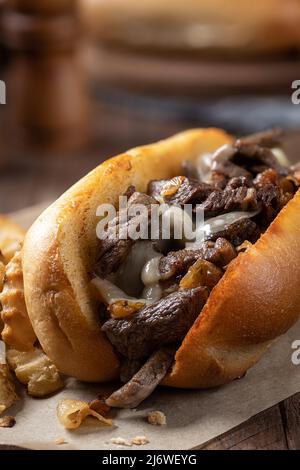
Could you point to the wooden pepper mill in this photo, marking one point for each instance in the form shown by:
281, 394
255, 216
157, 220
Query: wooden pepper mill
47, 95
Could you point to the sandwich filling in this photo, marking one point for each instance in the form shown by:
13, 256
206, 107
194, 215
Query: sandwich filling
152, 290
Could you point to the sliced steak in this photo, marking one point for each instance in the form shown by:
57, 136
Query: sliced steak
239, 182
189, 191
249, 156
161, 323
176, 263
222, 162
256, 159
180, 190
272, 199
236, 196
218, 180
144, 381
116, 246
129, 368
239, 231
269, 138
269, 195
155, 187
269, 176
221, 253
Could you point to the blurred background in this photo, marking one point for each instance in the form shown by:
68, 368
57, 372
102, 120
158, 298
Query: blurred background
88, 79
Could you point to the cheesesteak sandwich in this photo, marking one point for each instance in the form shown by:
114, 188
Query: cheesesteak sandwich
185, 312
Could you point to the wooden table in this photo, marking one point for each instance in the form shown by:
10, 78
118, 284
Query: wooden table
32, 175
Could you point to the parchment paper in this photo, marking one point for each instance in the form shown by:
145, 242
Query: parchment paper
193, 417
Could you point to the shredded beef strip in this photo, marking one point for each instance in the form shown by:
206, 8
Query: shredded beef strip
248, 156
129, 367
114, 249
176, 263
164, 322
270, 138
219, 180
180, 190
257, 158
144, 381
238, 232
222, 162
232, 198
155, 187
269, 176
268, 192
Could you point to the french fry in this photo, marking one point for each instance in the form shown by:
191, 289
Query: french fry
8, 395
34, 369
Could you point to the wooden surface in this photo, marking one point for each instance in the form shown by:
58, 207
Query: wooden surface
277, 428
38, 163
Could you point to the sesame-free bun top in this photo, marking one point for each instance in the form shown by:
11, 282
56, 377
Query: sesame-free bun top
256, 301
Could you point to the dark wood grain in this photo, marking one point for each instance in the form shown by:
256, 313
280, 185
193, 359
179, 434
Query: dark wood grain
262, 432
290, 412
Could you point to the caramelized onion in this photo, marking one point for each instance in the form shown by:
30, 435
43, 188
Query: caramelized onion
202, 273
108, 291
71, 413
119, 304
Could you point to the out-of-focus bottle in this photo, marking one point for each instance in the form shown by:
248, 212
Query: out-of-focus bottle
47, 96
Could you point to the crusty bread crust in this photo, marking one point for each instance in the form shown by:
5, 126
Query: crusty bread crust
256, 301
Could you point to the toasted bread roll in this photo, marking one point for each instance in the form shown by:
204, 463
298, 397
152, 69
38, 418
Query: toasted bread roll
256, 301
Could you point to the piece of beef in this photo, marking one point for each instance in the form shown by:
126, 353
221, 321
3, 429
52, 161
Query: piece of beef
238, 232
155, 187
220, 253
270, 138
164, 322
129, 368
222, 163
256, 159
180, 190
236, 196
270, 195
269, 176
239, 182
273, 192
144, 381
272, 200
189, 191
248, 156
218, 180
176, 263
116, 246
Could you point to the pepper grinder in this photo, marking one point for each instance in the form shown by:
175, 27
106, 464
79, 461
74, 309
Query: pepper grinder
47, 93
